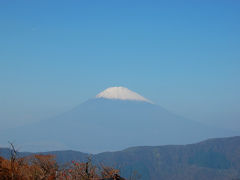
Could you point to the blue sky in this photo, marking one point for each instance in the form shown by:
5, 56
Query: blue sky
183, 55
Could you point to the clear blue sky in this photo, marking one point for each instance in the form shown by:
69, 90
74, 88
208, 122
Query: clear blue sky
183, 55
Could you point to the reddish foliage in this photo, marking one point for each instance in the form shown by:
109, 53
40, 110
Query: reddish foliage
44, 167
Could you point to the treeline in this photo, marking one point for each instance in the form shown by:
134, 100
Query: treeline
45, 167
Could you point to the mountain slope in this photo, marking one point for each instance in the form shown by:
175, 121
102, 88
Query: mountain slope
102, 124
109, 123
214, 159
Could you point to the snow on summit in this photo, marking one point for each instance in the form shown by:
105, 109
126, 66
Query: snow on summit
121, 93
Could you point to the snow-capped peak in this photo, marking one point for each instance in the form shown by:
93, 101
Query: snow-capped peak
121, 93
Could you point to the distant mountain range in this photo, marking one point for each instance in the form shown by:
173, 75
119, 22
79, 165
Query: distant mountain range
213, 159
115, 119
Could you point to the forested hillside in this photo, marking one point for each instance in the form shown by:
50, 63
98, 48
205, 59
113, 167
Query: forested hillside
214, 159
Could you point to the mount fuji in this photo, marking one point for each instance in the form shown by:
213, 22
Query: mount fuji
115, 119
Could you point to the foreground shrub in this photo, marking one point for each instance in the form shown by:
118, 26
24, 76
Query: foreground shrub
44, 167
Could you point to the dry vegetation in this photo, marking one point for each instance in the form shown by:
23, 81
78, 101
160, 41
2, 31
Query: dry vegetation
44, 167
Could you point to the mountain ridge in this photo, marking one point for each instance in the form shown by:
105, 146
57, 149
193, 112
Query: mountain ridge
211, 159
